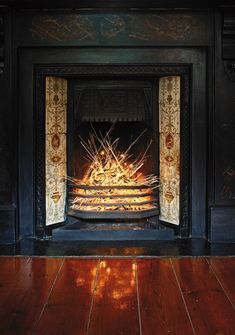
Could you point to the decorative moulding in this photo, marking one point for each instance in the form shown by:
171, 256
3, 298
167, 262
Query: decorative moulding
1, 44
229, 69
228, 42
228, 34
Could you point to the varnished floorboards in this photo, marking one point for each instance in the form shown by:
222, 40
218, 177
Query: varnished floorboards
117, 296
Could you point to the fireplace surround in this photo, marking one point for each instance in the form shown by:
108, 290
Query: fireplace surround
134, 73
115, 71
133, 45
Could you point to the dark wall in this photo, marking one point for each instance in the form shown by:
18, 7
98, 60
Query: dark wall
222, 155
7, 136
29, 34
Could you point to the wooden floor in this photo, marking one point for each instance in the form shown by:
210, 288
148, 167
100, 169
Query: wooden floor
117, 296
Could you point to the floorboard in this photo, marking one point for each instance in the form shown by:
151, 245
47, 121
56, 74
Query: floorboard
161, 302
68, 308
117, 296
115, 306
224, 269
27, 294
209, 308
9, 268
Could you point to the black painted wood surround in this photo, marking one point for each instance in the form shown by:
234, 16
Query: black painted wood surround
95, 33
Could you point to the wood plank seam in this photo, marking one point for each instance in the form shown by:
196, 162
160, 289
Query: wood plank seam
219, 281
182, 296
93, 295
49, 295
138, 297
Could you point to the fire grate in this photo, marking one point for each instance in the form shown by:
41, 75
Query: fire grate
111, 202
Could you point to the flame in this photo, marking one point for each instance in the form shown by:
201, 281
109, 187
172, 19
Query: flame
113, 169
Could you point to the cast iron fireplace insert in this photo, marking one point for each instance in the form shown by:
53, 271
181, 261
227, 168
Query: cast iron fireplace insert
99, 98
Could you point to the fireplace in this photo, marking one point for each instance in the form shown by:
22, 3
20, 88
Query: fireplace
124, 44
114, 155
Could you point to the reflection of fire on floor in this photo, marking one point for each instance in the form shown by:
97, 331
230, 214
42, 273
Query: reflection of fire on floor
120, 291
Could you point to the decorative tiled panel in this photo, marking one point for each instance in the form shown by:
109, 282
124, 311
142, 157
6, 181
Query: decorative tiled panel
81, 29
55, 149
169, 128
56, 105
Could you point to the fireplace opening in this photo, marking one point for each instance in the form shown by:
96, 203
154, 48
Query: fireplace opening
113, 156
116, 179
112, 163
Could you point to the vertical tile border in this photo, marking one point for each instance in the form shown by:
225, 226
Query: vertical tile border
55, 149
169, 131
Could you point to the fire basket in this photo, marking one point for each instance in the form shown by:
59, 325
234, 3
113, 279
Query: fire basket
113, 186
111, 202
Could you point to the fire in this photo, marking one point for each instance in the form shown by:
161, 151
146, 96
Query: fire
112, 181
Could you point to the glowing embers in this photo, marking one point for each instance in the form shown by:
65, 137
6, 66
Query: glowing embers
94, 201
112, 185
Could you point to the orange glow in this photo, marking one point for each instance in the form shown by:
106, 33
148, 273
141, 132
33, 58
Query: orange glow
103, 264
80, 281
115, 283
114, 175
133, 267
